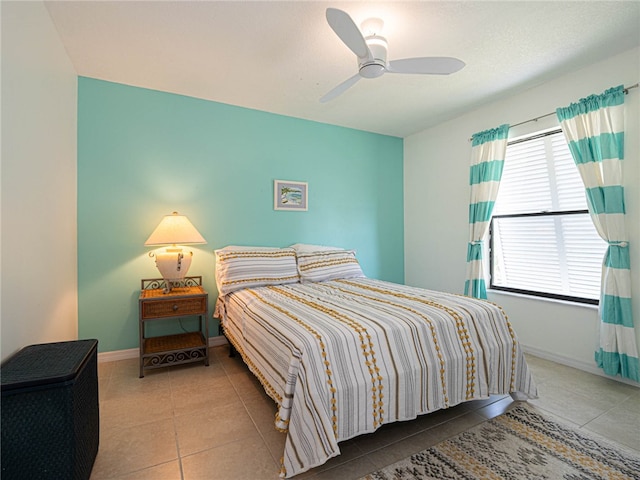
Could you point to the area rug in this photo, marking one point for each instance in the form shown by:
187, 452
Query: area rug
521, 444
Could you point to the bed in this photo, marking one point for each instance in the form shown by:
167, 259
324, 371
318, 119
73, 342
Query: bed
342, 354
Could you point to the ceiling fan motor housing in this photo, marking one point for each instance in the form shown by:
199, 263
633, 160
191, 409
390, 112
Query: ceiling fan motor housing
376, 67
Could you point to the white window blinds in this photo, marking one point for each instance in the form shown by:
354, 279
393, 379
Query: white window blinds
542, 239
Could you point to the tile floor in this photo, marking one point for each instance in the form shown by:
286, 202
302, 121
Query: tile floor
207, 423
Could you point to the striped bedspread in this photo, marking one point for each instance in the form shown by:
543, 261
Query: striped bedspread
343, 357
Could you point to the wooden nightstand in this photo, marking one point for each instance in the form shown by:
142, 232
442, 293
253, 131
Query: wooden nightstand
184, 300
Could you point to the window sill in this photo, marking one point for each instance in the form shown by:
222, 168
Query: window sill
542, 299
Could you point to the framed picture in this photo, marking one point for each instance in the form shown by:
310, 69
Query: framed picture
289, 195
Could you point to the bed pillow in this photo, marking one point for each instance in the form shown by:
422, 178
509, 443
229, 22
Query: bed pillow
306, 248
246, 267
323, 265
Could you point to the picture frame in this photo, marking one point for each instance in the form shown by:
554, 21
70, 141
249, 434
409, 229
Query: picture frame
290, 195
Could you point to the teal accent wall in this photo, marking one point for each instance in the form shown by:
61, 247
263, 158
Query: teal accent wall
143, 154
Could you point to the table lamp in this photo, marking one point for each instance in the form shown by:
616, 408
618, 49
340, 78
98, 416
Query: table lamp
174, 230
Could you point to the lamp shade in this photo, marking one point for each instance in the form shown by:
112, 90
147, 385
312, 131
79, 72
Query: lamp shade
174, 229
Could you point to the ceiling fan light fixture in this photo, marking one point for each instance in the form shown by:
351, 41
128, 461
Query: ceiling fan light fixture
372, 26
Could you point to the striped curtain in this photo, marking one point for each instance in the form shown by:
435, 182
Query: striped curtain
594, 129
488, 150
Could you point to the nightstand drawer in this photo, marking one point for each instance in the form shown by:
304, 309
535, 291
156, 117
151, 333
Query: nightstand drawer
173, 308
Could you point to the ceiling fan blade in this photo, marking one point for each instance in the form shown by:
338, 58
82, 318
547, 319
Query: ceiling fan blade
346, 29
340, 89
426, 65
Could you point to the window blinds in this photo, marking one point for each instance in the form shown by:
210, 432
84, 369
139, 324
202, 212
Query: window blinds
542, 239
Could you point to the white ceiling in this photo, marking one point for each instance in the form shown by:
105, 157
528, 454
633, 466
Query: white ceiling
281, 57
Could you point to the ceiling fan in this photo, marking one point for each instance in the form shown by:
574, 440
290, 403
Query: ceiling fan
372, 53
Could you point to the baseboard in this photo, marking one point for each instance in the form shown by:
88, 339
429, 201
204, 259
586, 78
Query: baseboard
572, 362
133, 352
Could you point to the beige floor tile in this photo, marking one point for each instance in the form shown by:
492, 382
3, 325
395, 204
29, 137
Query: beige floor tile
103, 385
584, 383
347, 471
425, 439
349, 452
621, 423
213, 360
543, 369
121, 386
221, 352
126, 450
575, 407
248, 459
231, 364
135, 409
205, 429
247, 385
384, 436
166, 471
275, 441
221, 423
104, 370
402, 449
195, 374
262, 412
394, 432
579, 380
131, 368
193, 397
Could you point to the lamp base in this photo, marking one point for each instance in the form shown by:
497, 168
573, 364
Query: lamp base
168, 285
173, 265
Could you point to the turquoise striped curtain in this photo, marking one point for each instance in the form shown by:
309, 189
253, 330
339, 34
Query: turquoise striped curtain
488, 150
594, 129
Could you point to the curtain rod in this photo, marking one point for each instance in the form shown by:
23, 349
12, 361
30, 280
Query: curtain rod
626, 90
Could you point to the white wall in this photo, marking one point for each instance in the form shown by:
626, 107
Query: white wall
436, 179
39, 255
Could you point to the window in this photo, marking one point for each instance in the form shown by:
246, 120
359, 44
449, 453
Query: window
542, 239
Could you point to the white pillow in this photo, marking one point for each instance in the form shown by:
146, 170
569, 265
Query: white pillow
306, 248
323, 265
247, 267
